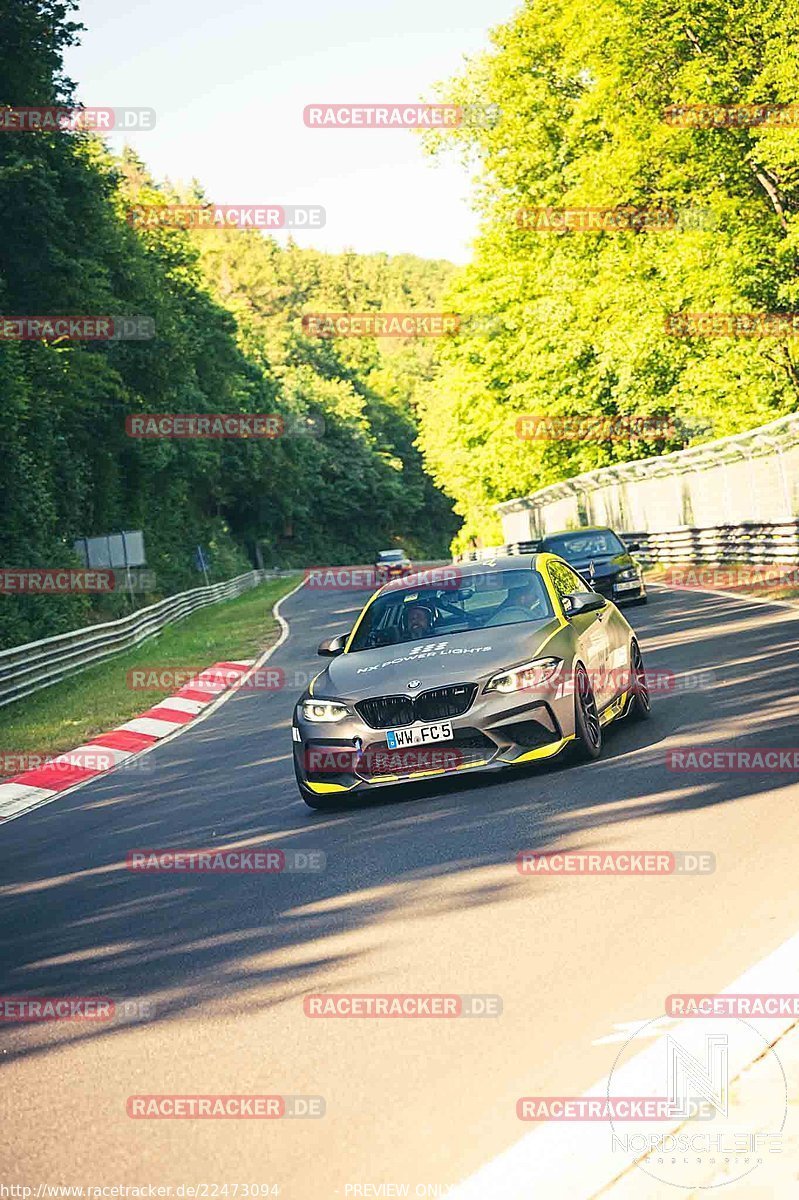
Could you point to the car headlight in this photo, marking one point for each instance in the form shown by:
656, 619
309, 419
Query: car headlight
323, 710
628, 573
526, 677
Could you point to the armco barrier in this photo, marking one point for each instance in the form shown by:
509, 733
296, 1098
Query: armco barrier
724, 484
776, 542
750, 543
26, 669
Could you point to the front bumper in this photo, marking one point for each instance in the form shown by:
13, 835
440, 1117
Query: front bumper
495, 732
385, 574
620, 591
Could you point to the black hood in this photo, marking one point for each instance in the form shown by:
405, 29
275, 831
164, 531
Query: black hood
605, 565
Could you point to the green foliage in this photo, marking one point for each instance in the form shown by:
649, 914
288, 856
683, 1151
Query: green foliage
581, 315
226, 311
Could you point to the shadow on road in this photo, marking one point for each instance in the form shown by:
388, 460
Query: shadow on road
76, 922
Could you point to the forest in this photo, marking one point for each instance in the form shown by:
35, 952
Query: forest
586, 324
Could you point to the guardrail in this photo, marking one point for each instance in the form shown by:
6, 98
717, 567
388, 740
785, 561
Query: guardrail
770, 542
727, 483
36, 665
767, 543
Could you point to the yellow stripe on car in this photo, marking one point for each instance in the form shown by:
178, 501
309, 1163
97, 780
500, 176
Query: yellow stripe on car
613, 710
328, 787
313, 681
541, 562
541, 752
361, 616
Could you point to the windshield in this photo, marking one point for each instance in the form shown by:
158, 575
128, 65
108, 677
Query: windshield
390, 556
484, 601
574, 547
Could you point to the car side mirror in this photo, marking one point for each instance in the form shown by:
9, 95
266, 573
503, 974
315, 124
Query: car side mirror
633, 545
583, 602
332, 647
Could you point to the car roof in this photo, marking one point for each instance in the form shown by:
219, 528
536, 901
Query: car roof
582, 529
468, 570
503, 562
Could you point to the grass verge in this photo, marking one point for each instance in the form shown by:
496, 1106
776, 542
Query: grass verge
65, 715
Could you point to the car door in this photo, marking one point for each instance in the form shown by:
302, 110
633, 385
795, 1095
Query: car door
591, 629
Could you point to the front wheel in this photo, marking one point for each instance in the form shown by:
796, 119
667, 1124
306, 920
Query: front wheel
588, 740
640, 704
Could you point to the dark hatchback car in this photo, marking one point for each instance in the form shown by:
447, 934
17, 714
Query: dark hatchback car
603, 560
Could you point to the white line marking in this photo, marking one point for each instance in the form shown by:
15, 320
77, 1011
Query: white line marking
556, 1160
624, 1030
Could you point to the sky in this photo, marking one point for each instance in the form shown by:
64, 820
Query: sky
229, 80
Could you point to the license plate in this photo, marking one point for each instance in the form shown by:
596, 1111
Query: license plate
627, 587
419, 735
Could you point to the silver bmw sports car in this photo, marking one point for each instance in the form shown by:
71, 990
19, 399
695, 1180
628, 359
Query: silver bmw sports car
472, 667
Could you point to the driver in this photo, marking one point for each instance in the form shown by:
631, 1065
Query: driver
419, 619
521, 604
523, 596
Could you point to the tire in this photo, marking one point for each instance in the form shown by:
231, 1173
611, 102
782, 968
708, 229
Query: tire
588, 740
640, 704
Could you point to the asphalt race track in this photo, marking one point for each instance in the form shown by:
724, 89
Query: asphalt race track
420, 894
